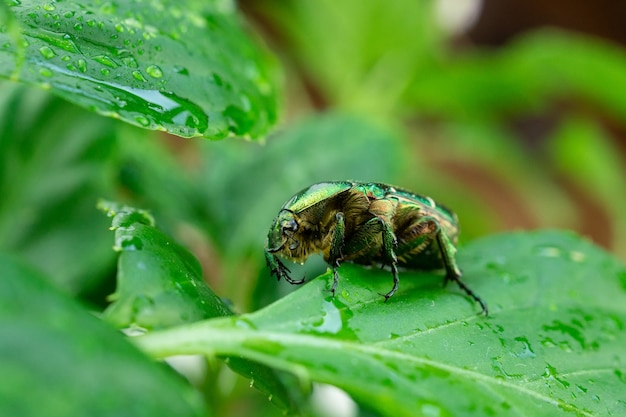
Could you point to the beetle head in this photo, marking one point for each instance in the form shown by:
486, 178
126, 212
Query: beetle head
283, 231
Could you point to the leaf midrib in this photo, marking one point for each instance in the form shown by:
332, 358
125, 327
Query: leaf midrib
207, 339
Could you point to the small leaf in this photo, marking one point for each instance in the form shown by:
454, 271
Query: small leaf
159, 282
186, 67
160, 285
552, 346
59, 360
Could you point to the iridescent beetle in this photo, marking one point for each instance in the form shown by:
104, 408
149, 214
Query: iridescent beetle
365, 223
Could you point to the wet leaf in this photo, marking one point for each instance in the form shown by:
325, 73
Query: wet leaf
57, 358
184, 67
160, 285
553, 344
159, 282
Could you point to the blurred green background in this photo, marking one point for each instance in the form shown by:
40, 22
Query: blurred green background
512, 113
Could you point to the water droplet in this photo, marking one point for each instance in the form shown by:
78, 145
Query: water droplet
180, 70
573, 330
46, 72
577, 256
47, 52
143, 121
82, 65
49, 7
78, 26
105, 71
154, 71
106, 60
138, 76
69, 14
527, 350
133, 243
548, 251
119, 27
550, 373
498, 368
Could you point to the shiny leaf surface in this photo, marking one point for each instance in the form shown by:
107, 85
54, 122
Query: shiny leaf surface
159, 282
184, 67
553, 344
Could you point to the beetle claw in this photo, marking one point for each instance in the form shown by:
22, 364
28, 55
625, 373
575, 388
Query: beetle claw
293, 281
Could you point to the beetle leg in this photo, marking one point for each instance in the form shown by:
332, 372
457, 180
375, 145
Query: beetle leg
366, 237
453, 273
335, 255
390, 242
278, 268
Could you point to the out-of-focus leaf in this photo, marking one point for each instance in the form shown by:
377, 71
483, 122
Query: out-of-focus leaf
59, 360
55, 162
361, 56
552, 346
527, 75
186, 67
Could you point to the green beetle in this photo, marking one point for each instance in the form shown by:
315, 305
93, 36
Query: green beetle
365, 223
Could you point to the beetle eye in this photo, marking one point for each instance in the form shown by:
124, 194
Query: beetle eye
290, 227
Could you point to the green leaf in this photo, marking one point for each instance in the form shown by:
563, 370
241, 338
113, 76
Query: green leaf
184, 67
160, 285
159, 282
553, 344
58, 359
512, 79
55, 162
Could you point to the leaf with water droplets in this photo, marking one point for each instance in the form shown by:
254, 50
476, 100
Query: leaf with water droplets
160, 285
553, 344
159, 282
184, 67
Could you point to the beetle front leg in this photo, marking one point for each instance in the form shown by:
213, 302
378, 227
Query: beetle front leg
278, 268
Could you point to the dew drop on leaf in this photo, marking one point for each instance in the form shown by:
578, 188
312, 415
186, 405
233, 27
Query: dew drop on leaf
47, 52
82, 65
46, 72
154, 71
143, 121
138, 76
106, 60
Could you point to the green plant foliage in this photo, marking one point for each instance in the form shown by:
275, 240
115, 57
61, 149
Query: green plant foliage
530, 73
184, 67
160, 285
159, 282
55, 163
58, 359
553, 344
